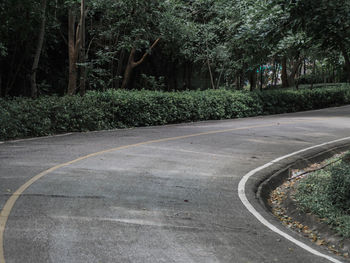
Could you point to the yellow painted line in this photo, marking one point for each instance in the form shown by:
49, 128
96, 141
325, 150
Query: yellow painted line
5, 212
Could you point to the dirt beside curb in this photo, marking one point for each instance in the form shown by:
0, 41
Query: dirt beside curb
284, 207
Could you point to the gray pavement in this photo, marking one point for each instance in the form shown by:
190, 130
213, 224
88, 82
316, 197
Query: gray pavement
169, 201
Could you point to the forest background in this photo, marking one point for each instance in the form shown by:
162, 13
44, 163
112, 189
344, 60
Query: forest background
56, 47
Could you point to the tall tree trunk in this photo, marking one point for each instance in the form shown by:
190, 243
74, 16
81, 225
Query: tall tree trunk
189, 70
252, 79
209, 67
284, 76
83, 49
219, 79
72, 81
210, 74
274, 72
294, 71
277, 74
0, 85
313, 74
34, 88
347, 62
132, 64
119, 68
74, 46
261, 77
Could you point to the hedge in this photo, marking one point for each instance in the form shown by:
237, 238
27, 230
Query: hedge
25, 117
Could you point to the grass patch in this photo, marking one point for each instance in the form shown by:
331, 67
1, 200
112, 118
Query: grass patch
326, 193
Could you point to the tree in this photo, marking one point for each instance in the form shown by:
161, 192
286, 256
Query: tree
76, 37
325, 22
34, 88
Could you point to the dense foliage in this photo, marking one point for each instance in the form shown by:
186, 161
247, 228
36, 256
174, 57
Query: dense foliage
169, 45
326, 193
23, 117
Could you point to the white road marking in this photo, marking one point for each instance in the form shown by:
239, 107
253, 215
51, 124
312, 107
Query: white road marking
248, 205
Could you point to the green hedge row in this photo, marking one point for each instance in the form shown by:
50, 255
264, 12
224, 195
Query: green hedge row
24, 117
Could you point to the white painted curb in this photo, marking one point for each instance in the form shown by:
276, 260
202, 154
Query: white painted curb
251, 209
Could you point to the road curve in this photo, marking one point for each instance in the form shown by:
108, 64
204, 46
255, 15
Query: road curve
158, 194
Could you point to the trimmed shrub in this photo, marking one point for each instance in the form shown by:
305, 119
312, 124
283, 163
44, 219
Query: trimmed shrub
24, 117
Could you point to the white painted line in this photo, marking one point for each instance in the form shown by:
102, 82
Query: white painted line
248, 205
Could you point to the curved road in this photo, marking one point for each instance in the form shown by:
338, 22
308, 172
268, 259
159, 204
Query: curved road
158, 194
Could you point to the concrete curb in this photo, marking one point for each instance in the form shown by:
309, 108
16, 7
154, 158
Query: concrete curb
272, 181
262, 182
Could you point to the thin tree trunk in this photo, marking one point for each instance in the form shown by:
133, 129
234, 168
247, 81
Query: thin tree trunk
83, 49
252, 79
274, 76
189, 76
261, 78
34, 88
0, 85
74, 46
284, 76
119, 68
347, 62
210, 74
209, 67
277, 74
72, 82
132, 64
313, 74
129, 68
219, 79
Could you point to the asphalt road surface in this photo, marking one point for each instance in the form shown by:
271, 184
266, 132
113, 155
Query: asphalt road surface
157, 194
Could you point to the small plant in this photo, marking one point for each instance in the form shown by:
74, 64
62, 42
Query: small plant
326, 193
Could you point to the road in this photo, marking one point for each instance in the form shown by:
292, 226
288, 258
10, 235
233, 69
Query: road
156, 194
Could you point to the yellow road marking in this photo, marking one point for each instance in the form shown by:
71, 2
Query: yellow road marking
6, 210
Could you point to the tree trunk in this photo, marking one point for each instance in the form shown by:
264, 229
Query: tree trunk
277, 74
129, 68
189, 75
72, 81
261, 78
209, 67
313, 74
252, 79
119, 68
74, 46
0, 85
210, 74
132, 64
274, 72
284, 76
347, 62
219, 79
295, 69
34, 88
83, 49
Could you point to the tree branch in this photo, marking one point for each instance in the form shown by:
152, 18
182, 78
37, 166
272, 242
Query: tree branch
135, 64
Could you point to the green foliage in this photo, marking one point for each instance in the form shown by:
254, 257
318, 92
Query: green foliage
23, 117
340, 186
326, 193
